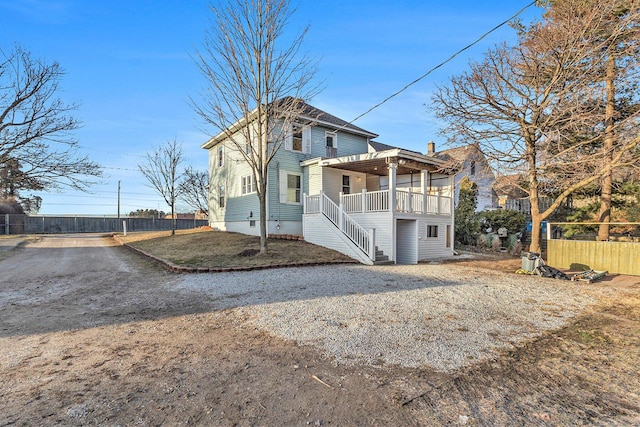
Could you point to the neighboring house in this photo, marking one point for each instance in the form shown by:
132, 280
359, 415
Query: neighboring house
512, 196
337, 188
470, 161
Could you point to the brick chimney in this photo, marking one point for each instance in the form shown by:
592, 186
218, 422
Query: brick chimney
431, 148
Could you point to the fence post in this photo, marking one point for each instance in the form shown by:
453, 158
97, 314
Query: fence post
6, 224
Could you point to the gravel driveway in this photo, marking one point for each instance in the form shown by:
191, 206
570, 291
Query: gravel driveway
440, 315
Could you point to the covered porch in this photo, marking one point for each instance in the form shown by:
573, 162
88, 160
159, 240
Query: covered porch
364, 196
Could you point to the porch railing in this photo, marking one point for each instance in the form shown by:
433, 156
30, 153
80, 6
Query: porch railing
406, 202
364, 239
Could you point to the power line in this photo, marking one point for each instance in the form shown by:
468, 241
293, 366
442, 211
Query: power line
506, 21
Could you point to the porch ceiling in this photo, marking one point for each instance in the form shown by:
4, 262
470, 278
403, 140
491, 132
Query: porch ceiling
380, 167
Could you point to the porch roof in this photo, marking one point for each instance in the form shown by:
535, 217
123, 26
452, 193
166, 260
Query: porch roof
376, 163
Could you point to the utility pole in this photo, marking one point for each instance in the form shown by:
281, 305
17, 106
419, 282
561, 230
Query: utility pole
118, 199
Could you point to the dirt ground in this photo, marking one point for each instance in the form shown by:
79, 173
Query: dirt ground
93, 335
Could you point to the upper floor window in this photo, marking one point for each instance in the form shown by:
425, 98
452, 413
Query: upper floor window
299, 138
220, 156
330, 140
472, 168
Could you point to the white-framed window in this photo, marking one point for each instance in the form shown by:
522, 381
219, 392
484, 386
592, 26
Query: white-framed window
331, 139
247, 148
221, 196
432, 231
247, 184
299, 138
290, 187
346, 184
220, 156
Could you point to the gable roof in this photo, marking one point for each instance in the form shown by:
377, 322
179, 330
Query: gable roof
306, 112
319, 116
460, 154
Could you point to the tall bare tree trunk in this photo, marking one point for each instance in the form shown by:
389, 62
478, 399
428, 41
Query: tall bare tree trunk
609, 138
536, 216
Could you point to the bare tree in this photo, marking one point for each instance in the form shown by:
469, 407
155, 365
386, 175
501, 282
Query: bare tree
194, 189
161, 170
37, 150
256, 78
529, 106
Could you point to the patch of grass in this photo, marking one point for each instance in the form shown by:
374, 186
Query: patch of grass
218, 249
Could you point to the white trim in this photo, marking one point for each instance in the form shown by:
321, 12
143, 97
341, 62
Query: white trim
284, 187
247, 182
334, 135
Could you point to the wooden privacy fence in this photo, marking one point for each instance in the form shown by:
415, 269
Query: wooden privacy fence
614, 257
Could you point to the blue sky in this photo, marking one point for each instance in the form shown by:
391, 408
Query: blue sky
129, 65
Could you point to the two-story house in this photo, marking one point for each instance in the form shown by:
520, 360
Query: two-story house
332, 184
469, 160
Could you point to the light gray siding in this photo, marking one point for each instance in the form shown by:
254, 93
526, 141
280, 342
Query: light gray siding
434, 247
383, 224
320, 231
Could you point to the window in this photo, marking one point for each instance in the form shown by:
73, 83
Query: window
331, 149
220, 157
330, 137
247, 149
293, 188
290, 187
472, 168
432, 231
297, 138
248, 184
346, 185
448, 243
221, 196
252, 223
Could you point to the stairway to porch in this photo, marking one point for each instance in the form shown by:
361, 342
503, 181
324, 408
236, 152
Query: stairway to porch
327, 224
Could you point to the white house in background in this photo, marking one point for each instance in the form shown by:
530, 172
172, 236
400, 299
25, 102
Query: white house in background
337, 188
469, 160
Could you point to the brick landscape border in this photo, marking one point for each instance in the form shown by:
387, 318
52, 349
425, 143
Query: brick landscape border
179, 269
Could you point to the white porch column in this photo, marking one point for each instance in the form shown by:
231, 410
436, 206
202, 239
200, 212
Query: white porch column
392, 186
392, 206
423, 184
340, 210
304, 203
